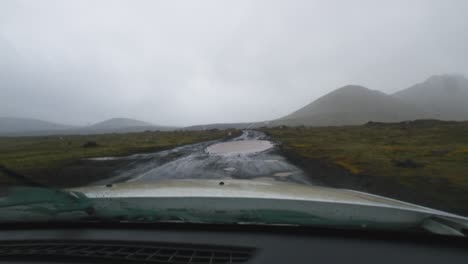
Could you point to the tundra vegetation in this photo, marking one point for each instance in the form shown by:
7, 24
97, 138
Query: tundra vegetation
424, 161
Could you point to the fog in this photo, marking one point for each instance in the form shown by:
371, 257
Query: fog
196, 62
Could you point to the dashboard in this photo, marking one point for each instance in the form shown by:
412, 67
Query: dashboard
175, 243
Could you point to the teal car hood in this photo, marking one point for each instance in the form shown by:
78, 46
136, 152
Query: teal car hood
224, 202
269, 202
245, 189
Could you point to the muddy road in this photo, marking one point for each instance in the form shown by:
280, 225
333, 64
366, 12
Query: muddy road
249, 156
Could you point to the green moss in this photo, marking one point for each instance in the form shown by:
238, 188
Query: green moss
372, 149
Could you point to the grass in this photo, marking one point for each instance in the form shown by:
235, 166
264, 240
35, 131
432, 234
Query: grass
374, 150
42, 157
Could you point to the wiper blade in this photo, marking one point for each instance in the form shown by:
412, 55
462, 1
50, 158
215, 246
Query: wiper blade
37, 194
28, 181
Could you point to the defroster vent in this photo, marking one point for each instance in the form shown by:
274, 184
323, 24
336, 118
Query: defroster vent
137, 253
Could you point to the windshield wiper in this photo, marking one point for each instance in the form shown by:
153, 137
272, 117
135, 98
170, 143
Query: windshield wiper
37, 195
21, 177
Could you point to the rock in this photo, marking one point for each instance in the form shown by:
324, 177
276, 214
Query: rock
90, 144
407, 163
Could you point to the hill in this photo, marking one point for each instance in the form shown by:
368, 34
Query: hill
444, 96
14, 125
32, 127
118, 125
352, 105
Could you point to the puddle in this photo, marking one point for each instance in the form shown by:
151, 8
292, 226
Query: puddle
239, 147
283, 174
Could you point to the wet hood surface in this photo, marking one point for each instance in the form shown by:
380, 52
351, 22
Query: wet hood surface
225, 202
243, 189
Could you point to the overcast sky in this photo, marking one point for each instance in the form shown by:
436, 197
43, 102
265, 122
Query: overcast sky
192, 62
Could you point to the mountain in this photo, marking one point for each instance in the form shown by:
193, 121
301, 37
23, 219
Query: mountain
13, 125
444, 96
119, 125
32, 127
352, 105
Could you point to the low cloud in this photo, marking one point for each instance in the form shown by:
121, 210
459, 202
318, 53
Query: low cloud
192, 62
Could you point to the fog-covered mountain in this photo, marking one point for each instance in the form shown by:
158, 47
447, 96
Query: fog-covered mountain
120, 125
33, 127
352, 105
444, 96
12, 125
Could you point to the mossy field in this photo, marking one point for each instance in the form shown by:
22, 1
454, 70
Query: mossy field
43, 158
424, 161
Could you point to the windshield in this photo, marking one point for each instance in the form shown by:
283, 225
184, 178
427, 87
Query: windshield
345, 114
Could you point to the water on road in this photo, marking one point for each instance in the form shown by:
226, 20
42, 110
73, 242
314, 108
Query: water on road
239, 147
250, 156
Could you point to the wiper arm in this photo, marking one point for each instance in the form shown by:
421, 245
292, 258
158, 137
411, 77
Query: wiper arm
37, 193
20, 177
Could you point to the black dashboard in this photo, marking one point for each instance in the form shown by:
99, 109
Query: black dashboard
177, 243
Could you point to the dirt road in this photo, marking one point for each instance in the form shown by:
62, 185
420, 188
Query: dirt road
250, 156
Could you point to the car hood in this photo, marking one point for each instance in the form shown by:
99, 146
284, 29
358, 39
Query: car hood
255, 189
225, 202
271, 202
